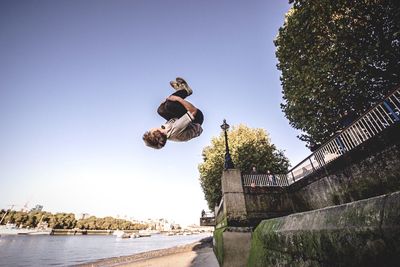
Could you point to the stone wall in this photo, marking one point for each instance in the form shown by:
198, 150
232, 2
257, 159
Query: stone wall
266, 202
361, 233
232, 191
372, 169
321, 236
232, 246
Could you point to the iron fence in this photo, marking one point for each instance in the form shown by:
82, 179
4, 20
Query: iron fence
265, 180
381, 116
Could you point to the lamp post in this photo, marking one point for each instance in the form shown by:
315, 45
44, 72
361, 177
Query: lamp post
228, 164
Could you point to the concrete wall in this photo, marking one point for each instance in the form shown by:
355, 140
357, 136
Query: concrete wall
371, 169
233, 196
266, 202
231, 240
232, 246
319, 237
362, 233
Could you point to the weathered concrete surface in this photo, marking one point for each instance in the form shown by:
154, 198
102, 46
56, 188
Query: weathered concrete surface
236, 247
361, 233
355, 234
372, 169
266, 202
218, 244
234, 202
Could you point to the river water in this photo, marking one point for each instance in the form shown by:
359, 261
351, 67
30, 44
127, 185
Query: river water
72, 250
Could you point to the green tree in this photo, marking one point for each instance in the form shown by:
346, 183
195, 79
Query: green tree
63, 221
248, 147
107, 223
21, 218
2, 214
336, 56
67, 221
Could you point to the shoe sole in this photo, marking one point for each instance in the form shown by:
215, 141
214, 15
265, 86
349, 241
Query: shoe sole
175, 85
180, 80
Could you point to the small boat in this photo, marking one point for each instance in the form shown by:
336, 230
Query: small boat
12, 229
134, 235
144, 233
125, 235
120, 234
41, 229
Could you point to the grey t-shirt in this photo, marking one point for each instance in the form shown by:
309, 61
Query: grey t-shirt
182, 129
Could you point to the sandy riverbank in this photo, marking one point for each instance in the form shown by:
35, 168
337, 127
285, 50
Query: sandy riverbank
199, 254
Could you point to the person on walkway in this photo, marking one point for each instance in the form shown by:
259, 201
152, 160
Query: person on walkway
253, 170
184, 120
271, 177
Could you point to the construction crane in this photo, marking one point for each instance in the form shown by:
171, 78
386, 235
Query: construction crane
5, 214
25, 207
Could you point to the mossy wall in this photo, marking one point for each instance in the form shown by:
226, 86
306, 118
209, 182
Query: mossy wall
362, 233
267, 202
353, 234
219, 244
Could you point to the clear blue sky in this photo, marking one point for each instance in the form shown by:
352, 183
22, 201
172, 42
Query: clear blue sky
80, 82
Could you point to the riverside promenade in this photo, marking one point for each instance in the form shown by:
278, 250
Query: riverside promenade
198, 254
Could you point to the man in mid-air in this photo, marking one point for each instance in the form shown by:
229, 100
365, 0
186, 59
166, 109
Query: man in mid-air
184, 120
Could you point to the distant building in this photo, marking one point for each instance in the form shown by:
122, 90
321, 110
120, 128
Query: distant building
175, 226
83, 216
37, 208
160, 224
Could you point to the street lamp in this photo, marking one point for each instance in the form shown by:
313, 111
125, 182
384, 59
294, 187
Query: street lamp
228, 164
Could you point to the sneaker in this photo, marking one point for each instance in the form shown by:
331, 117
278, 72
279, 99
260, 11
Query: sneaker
175, 85
183, 85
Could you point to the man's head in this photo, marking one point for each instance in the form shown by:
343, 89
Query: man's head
155, 138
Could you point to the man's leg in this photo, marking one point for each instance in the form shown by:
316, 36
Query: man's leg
173, 109
181, 93
199, 117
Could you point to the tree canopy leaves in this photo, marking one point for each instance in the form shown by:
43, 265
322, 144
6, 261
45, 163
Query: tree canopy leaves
248, 147
336, 56
67, 221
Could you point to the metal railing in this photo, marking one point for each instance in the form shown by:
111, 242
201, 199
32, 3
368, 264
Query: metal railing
265, 180
219, 208
375, 120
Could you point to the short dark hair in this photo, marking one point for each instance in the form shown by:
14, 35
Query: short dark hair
155, 139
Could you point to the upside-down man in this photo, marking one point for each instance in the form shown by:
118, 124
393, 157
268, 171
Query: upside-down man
184, 120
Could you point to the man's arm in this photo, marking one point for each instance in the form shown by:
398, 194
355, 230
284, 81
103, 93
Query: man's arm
187, 105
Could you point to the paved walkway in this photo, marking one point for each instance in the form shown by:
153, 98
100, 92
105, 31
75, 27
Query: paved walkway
200, 258
199, 254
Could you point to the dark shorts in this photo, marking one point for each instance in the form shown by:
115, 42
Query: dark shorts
199, 118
